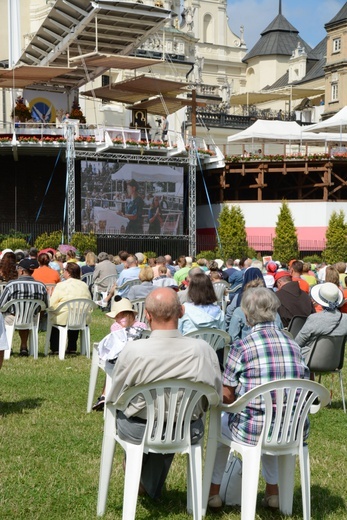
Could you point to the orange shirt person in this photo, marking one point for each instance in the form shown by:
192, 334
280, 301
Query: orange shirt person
44, 273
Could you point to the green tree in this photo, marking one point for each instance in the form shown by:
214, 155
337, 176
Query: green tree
336, 239
84, 242
232, 232
286, 241
44, 240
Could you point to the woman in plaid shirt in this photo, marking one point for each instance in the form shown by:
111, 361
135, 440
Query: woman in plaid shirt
266, 354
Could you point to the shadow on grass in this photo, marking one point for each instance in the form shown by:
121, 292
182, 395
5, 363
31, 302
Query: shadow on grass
12, 407
323, 504
174, 503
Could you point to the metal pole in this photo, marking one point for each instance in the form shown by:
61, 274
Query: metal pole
192, 198
70, 173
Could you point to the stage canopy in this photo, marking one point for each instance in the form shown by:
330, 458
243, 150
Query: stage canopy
145, 92
254, 98
23, 76
75, 31
137, 89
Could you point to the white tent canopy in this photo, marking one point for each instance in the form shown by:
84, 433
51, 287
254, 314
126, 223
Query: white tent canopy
263, 131
148, 173
336, 123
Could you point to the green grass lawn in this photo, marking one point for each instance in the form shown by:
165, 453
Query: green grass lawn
50, 448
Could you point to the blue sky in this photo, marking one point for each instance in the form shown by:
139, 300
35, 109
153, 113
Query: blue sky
307, 16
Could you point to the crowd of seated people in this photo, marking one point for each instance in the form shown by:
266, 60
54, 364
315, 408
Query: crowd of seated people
262, 299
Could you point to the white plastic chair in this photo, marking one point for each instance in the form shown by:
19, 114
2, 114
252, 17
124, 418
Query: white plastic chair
327, 355
106, 367
139, 307
107, 281
221, 290
217, 338
127, 285
287, 403
88, 279
26, 316
78, 310
94, 368
170, 405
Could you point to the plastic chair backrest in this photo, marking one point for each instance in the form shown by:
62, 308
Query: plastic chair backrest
220, 289
327, 354
139, 306
125, 287
296, 324
78, 311
87, 278
287, 403
170, 405
25, 311
217, 338
107, 281
2, 287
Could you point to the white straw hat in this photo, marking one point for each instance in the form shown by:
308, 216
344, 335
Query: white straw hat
120, 306
327, 294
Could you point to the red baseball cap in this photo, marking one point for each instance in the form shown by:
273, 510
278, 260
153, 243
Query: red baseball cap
281, 274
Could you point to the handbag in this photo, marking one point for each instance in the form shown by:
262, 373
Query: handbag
230, 489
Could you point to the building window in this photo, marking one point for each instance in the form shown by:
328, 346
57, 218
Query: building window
208, 35
336, 44
334, 91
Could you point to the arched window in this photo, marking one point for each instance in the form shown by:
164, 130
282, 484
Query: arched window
208, 29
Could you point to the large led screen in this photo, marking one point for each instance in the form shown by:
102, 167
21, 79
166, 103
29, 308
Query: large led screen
122, 198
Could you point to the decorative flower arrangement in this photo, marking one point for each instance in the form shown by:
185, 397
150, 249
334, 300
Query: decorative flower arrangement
21, 111
118, 141
76, 112
280, 158
28, 139
203, 151
5, 139
85, 139
132, 142
55, 139
157, 144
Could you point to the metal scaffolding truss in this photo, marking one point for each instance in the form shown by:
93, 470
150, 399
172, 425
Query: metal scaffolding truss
149, 159
126, 157
77, 29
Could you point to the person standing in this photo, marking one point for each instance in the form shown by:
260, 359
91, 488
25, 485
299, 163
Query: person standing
155, 217
133, 209
165, 129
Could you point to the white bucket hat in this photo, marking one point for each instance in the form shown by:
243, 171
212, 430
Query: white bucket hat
219, 262
327, 295
120, 306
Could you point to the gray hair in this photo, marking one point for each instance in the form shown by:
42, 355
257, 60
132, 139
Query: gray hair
260, 305
257, 263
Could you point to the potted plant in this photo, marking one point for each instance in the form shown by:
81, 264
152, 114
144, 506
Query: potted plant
131, 142
76, 112
21, 112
